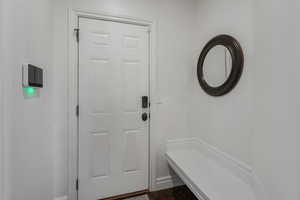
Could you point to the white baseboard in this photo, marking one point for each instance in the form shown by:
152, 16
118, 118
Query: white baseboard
167, 182
61, 198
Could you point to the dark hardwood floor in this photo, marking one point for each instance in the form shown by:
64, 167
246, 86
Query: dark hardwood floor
178, 193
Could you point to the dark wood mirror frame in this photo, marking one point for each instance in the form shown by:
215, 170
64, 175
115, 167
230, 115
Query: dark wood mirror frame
237, 57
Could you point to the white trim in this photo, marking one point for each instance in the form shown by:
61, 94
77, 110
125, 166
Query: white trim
109, 17
72, 96
72, 100
1, 107
1, 141
61, 198
237, 167
167, 182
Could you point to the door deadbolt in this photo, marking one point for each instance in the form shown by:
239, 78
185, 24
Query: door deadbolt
144, 117
145, 102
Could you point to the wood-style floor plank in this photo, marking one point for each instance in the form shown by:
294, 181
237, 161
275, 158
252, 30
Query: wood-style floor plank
178, 193
126, 196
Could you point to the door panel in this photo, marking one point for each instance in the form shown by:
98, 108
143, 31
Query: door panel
113, 139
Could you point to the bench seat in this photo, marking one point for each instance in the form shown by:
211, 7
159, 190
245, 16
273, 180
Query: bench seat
206, 177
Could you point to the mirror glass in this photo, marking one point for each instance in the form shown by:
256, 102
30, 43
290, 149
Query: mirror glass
217, 66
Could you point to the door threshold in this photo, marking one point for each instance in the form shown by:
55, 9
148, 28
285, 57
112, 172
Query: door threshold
129, 195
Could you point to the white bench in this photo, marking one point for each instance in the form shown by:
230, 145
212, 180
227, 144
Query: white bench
209, 173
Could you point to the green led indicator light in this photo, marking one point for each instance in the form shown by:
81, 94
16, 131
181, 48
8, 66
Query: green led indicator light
30, 91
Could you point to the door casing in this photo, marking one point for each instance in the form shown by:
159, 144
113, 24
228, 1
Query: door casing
73, 92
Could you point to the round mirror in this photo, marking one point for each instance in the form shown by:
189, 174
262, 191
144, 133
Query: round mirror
217, 66
220, 65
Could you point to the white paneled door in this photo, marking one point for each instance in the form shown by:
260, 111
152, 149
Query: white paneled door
113, 137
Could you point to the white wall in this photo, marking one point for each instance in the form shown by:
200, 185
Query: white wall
1, 102
26, 29
224, 122
175, 32
257, 122
276, 97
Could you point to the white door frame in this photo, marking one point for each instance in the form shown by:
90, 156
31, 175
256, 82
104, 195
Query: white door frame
2, 144
73, 91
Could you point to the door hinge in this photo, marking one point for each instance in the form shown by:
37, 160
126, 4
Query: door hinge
77, 110
77, 185
77, 34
